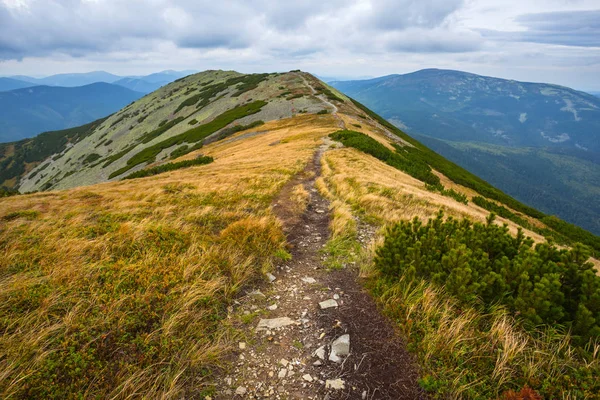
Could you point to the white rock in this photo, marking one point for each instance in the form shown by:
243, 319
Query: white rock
340, 348
284, 362
256, 293
274, 323
309, 280
307, 377
272, 307
328, 304
240, 391
318, 363
271, 277
242, 345
336, 384
282, 373
320, 352
336, 296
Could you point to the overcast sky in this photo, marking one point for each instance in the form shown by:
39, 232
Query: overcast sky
555, 41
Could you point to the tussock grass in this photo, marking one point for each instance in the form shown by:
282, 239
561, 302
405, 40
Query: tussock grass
120, 290
468, 354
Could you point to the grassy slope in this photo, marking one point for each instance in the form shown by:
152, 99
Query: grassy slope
564, 185
122, 288
463, 353
140, 125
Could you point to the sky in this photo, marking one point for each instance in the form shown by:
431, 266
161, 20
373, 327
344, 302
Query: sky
554, 41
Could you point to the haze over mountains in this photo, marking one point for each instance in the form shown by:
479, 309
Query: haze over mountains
142, 83
29, 111
538, 142
67, 100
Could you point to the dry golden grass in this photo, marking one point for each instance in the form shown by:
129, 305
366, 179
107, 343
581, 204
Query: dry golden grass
451, 339
386, 195
120, 290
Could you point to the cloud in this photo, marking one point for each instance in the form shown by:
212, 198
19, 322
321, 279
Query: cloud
31, 28
566, 28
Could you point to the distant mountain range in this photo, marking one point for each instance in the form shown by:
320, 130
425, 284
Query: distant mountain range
12, 84
144, 84
538, 142
50, 105
29, 111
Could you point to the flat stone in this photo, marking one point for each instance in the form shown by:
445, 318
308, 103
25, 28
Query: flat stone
282, 373
256, 293
309, 280
284, 362
272, 307
336, 296
319, 211
242, 345
328, 304
340, 348
335, 384
240, 391
307, 377
271, 277
274, 323
320, 352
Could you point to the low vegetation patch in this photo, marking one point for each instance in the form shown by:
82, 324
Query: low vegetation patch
482, 264
201, 160
404, 159
90, 158
191, 136
39, 148
328, 93
570, 232
467, 293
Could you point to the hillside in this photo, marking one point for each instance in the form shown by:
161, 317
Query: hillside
27, 112
215, 238
7, 84
527, 139
71, 80
143, 83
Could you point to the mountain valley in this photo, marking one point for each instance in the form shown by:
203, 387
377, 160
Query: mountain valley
528, 139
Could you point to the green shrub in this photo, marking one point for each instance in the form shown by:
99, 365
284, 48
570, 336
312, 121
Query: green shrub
202, 160
24, 214
162, 128
6, 192
461, 198
41, 147
226, 132
483, 265
90, 158
463, 177
404, 158
191, 136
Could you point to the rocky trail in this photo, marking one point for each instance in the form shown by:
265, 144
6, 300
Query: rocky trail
318, 334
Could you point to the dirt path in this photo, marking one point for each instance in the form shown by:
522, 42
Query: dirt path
334, 109
298, 349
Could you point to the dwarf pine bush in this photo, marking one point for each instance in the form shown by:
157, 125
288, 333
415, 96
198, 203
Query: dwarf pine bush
483, 265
